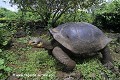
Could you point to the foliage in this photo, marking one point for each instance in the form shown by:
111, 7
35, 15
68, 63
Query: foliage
26, 60
31, 63
4, 70
51, 10
93, 69
7, 14
4, 40
5, 36
7, 20
14, 21
108, 16
36, 64
28, 16
49, 75
78, 16
109, 7
27, 21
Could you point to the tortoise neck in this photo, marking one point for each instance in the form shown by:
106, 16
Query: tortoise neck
47, 45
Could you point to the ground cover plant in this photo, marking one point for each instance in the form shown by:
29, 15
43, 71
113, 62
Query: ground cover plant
19, 61
33, 63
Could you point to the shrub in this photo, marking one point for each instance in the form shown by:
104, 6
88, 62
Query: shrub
107, 17
78, 16
5, 36
4, 70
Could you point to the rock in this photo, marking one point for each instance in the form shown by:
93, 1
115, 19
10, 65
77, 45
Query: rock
19, 34
13, 78
92, 75
118, 39
69, 76
104, 75
117, 49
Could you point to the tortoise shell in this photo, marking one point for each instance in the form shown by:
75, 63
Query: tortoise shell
80, 37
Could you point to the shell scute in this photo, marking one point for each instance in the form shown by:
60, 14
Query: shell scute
80, 37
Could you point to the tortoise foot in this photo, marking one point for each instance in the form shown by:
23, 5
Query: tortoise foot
111, 67
67, 69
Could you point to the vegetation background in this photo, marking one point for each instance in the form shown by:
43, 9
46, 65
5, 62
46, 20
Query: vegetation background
34, 18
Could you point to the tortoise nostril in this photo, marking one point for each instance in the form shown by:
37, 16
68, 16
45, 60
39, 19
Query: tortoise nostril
67, 36
33, 42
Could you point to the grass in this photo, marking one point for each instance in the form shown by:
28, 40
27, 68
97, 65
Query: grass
92, 69
35, 64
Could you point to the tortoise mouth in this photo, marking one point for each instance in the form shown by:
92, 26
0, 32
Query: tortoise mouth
31, 43
36, 45
40, 45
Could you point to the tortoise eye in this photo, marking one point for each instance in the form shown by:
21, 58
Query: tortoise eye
33, 42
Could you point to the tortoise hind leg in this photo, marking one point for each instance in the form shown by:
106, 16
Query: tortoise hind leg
63, 58
106, 55
107, 60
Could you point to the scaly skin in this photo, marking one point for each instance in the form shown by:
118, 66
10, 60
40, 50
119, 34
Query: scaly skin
63, 58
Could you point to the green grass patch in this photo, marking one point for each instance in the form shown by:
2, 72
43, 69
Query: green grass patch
92, 69
35, 64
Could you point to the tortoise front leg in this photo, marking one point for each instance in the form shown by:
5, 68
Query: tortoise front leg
63, 58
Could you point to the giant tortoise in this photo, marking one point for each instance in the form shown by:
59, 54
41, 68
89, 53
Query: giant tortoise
76, 38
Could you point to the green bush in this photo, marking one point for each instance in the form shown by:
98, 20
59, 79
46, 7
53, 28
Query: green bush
6, 30
4, 70
5, 36
108, 21
78, 16
107, 17
7, 14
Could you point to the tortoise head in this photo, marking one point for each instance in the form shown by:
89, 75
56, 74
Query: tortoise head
36, 42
